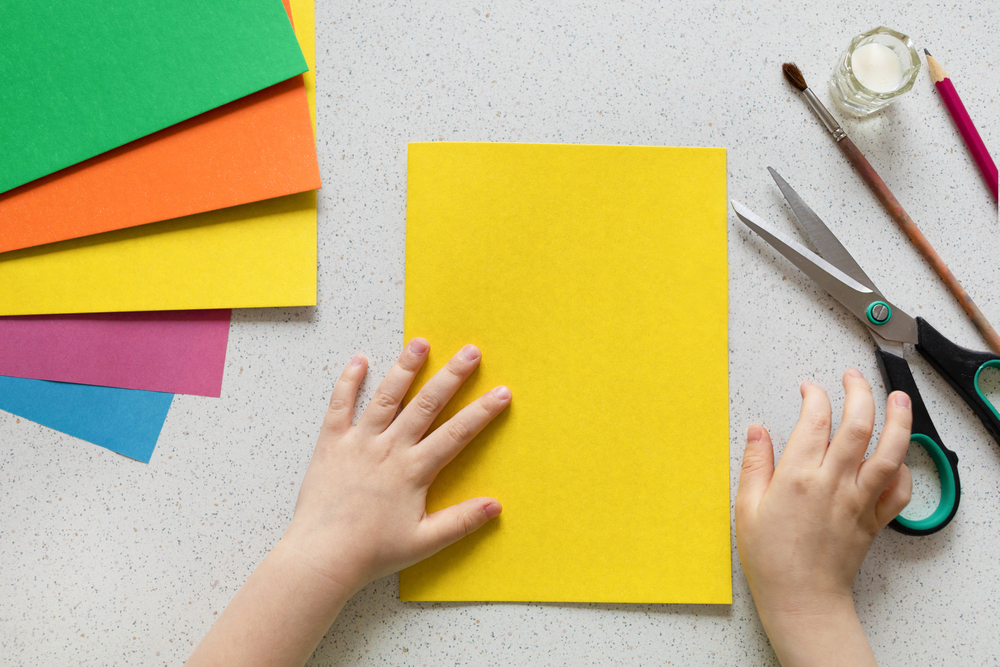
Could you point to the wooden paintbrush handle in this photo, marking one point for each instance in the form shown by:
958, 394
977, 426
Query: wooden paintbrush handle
910, 228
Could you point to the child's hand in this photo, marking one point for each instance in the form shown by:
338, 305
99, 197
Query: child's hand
361, 509
803, 528
361, 512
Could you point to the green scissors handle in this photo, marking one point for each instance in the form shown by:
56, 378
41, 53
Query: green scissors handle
897, 376
961, 368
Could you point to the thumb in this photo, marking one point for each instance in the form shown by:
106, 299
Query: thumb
451, 524
758, 468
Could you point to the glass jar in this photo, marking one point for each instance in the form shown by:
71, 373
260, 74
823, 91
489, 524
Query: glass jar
878, 67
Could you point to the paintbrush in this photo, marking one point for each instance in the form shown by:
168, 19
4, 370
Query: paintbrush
894, 208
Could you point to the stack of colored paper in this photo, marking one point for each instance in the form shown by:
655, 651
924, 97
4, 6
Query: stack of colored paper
159, 169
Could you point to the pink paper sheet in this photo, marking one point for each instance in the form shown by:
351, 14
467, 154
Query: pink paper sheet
180, 352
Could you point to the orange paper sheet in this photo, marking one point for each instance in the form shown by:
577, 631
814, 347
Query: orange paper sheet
255, 148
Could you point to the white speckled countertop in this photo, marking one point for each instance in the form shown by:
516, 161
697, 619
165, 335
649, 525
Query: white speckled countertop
105, 561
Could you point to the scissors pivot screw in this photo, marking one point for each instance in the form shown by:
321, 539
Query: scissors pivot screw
879, 312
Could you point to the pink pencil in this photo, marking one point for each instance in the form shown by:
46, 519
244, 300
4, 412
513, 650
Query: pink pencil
964, 123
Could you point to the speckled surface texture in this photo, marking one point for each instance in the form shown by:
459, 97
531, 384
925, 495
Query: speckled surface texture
105, 561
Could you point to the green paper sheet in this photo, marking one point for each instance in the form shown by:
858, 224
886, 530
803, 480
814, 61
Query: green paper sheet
78, 78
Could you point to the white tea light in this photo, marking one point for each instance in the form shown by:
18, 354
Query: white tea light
877, 67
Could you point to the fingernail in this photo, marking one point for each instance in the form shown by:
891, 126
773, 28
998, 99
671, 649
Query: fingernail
502, 392
854, 372
754, 433
471, 352
902, 400
492, 510
419, 346
356, 361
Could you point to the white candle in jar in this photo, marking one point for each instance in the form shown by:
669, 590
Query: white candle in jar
877, 67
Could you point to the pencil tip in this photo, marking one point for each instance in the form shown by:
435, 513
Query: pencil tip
927, 53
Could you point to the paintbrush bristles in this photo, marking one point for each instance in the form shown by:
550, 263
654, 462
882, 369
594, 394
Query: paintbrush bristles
794, 76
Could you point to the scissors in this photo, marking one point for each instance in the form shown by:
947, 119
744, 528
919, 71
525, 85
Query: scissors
839, 274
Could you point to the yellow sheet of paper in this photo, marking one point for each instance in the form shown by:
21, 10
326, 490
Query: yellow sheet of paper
594, 280
256, 255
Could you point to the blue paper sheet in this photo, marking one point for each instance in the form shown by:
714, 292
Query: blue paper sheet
127, 421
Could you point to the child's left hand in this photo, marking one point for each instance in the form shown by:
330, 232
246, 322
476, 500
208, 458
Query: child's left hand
361, 510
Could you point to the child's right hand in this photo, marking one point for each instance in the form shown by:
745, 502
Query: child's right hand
804, 528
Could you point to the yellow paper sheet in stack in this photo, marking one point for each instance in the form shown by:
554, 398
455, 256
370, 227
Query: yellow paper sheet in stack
594, 280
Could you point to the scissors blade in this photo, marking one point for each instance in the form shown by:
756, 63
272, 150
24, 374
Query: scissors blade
853, 295
829, 246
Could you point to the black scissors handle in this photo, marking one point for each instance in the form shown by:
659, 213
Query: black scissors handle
961, 367
897, 376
